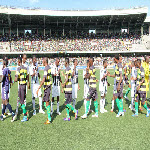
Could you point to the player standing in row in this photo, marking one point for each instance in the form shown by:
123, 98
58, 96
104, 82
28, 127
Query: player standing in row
56, 85
34, 73
103, 85
119, 85
67, 85
92, 94
133, 83
25, 64
6, 81
21, 76
75, 83
47, 88
141, 89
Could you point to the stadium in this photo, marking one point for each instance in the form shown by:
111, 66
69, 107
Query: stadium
79, 35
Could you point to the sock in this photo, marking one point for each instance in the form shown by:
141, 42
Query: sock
90, 104
117, 102
6, 110
3, 110
25, 102
74, 103
113, 104
52, 103
136, 107
101, 103
57, 107
17, 106
145, 106
1, 106
33, 102
96, 107
132, 102
70, 107
67, 109
24, 109
40, 103
128, 90
9, 107
87, 107
49, 112
121, 105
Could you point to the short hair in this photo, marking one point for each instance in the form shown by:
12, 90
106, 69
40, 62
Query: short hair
67, 60
46, 59
20, 59
139, 60
24, 55
145, 57
105, 60
74, 60
117, 57
92, 58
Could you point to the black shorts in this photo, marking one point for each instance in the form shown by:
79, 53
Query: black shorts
119, 94
46, 97
140, 96
92, 94
22, 93
68, 98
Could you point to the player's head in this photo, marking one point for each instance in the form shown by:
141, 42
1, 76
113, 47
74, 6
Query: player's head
132, 63
146, 59
19, 61
138, 63
105, 63
66, 62
45, 61
34, 59
24, 58
116, 58
5, 58
91, 60
75, 62
57, 60
87, 63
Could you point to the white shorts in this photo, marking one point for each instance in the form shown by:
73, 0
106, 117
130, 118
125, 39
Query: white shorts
133, 90
34, 88
104, 91
74, 90
86, 90
55, 91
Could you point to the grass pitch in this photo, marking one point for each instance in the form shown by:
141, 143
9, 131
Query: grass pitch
104, 132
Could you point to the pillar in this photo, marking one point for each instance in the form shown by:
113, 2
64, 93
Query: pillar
141, 30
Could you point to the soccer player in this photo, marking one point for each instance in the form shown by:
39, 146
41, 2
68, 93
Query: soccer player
103, 86
56, 85
21, 76
75, 83
92, 90
47, 88
133, 83
67, 85
25, 64
140, 90
119, 85
127, 71
5, 80
34, 72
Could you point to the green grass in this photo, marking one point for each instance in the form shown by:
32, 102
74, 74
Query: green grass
104, 132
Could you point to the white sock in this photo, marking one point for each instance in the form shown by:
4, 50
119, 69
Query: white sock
113, 104
58, 107
25, 102
1, 106
40, 103
52, 107
101, 104
17, 107
132, 101
104, 103
33, 102
90, 104
74, 103
85, 105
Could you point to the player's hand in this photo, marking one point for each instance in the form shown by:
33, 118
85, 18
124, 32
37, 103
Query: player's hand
78, 88
28, 86
96, 80
63, 85
62, 91
37, 91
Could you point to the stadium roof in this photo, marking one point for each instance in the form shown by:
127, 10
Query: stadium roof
147, 20
35, 12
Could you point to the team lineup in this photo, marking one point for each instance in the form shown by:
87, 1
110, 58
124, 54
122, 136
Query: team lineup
138, 84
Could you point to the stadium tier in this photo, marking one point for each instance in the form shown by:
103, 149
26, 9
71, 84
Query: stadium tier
37, 30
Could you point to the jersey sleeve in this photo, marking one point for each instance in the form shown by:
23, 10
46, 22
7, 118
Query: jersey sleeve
17, 73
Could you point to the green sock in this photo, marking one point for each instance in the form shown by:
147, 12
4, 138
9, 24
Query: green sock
45, 105
121, 105
96, 107
145, 106
136, 107
70, 107
67, 109
49, 112
87, 107
117, 101
128, 90
23, 108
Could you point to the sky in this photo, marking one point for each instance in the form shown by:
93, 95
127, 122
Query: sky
77, 4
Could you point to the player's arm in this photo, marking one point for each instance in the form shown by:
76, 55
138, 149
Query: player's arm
66, 80
125, 71
113, 76
73, 71
1, 78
